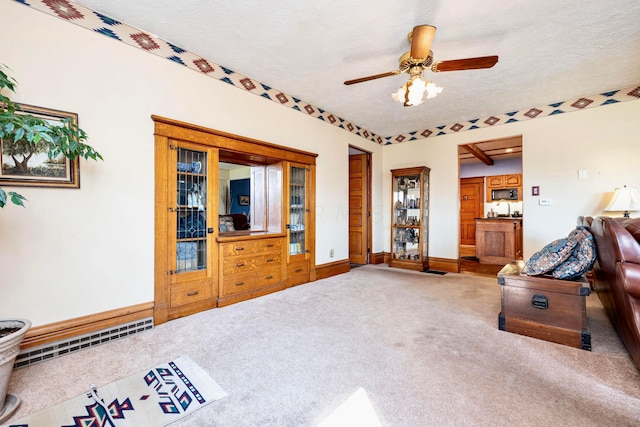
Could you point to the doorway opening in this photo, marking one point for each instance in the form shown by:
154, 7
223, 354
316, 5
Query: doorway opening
359, 207
477, 162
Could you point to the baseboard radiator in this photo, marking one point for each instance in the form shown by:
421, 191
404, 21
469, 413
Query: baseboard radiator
32, 355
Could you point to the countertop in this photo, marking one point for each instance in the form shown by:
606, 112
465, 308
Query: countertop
499, 218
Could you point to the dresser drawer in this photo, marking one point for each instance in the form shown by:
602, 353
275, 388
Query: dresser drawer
187, 293
269, 245
298, 268
237, 265
245, 247
246, 282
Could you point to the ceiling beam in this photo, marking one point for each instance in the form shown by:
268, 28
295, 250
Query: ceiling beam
471, 148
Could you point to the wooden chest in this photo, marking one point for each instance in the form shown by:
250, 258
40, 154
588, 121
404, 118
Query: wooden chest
543, 307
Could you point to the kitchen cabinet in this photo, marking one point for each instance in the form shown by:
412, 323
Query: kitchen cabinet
498, 240
499, 182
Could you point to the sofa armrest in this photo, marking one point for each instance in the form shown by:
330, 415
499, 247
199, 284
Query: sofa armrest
629, 275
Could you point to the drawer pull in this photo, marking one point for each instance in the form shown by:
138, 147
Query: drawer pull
269, 277
270, 260
191, 294
540, 301
270, 245
240, 284
298, 270
240, 264
239, 249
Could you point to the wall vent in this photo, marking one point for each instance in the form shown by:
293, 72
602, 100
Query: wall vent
33, 355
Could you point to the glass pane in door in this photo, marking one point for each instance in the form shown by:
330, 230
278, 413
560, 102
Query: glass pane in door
191, 176
297, 210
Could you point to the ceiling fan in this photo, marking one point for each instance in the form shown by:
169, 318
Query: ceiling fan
417, 60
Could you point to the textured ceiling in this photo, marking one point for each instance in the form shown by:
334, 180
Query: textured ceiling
550, 50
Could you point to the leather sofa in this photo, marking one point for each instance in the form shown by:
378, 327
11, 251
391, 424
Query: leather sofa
616, 275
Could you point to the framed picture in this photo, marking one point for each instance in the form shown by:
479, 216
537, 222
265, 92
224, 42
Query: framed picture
28, 165
243, 200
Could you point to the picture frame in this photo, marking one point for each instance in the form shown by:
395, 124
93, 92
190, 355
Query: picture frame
243, 200
22, 168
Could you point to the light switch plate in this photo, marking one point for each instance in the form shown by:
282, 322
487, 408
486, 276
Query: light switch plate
582, 174
546, 202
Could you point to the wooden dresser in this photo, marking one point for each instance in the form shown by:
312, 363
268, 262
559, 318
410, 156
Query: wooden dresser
249, 267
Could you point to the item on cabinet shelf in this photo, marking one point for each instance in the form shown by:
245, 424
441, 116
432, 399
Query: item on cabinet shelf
398, 204
193, 167
187, 255
196, 167
225, 223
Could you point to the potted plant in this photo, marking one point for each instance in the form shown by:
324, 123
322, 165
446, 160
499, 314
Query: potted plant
12, 332
64, 139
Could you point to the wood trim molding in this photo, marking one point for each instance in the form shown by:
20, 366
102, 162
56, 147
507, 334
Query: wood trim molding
378, 258
387, 257
82, 325
176, 129
332, 269
444, 264
441, 264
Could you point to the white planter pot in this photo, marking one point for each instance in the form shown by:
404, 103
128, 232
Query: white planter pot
9, 349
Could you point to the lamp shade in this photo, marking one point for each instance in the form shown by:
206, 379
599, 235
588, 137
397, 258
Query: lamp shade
624, 199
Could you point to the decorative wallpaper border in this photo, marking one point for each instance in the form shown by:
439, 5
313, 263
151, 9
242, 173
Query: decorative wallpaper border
87, 18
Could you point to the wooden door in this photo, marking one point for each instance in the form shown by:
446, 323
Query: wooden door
358, 237
471, 207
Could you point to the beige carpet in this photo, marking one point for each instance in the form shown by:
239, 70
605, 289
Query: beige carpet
412, 349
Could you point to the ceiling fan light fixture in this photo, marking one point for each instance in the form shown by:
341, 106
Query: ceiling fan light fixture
412, 92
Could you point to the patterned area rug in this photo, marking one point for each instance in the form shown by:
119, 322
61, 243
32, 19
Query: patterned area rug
155, 397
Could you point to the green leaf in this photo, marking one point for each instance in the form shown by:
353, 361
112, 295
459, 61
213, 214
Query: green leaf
19, 134
17, 199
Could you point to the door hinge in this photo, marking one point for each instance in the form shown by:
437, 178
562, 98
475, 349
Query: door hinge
173, 147
171, 272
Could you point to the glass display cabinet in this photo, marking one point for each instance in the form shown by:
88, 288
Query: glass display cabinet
191, 210
299, 223
410, 218
297, 210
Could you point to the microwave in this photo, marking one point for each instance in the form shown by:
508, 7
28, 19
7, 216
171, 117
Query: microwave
505, 194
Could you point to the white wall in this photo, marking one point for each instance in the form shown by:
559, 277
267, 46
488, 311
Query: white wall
602, 141
499, 167
72, 253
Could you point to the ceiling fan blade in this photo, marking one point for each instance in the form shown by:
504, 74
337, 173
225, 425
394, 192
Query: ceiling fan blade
421, 39
376, 76
465, 64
